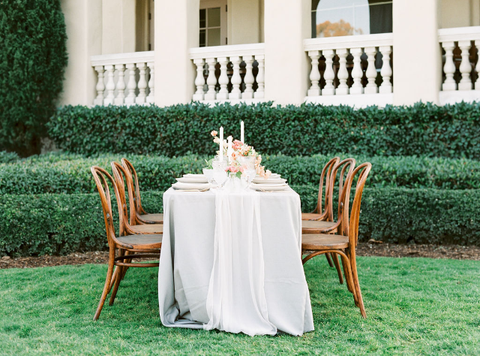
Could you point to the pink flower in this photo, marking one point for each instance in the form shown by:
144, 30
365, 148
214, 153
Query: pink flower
232, 169
214, 133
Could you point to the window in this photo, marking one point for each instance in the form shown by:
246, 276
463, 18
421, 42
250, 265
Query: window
213, 21
350, 17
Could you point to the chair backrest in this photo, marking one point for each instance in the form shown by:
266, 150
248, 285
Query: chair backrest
351, 226
344, 169
131, 173
118, 173
102, 179
323, 201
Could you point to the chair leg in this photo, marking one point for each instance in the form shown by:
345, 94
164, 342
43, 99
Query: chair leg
117, 284
106, 288
329, 259
356, 282
350, 286
337, 266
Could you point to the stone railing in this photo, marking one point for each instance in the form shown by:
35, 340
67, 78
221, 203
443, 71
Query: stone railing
229, 72
124, 78
350, 65
461, 66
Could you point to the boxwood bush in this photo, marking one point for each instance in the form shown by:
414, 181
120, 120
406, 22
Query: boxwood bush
422, 129
70, 174
64, 223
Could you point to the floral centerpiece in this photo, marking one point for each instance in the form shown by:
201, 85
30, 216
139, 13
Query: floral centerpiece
238, 154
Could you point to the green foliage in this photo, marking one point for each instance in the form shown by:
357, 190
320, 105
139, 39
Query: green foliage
70, 174
451, 131
61, 224
8, 157
32, 61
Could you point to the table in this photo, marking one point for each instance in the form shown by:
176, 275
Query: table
232, 261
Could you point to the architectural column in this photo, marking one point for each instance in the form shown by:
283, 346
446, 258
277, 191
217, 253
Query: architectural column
287, 24
83, 20
118, 30
176, 31
416, 52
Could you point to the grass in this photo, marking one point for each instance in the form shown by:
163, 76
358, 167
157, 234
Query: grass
415, 307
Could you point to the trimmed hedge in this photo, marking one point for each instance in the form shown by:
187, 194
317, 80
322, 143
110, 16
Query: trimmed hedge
422, 129
70, 174
61, 223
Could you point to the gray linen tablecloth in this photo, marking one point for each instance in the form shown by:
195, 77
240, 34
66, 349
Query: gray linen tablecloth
232, 261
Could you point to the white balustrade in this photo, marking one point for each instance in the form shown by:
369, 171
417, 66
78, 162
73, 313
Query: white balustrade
467, 40
350, 51
124, 79
232, 63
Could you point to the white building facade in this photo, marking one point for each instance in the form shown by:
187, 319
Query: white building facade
350, 52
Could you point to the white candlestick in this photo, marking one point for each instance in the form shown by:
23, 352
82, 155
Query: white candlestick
242, 132
221, 144
229, 148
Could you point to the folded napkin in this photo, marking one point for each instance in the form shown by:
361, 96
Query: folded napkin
191, 186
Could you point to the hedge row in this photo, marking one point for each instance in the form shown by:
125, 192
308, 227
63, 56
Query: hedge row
65, 223
422, 129
68, 173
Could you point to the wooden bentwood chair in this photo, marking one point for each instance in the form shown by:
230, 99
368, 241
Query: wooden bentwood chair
131, 227
326, 223
121, 248
343, 244
141, 216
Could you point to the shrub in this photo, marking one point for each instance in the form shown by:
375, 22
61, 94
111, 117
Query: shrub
8, 157
61, 223
70, 173
32, 61
422, 129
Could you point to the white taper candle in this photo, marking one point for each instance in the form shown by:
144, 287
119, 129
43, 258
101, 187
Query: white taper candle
242, 132
221, 144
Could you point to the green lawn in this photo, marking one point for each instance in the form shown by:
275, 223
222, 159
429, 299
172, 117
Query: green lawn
414, 306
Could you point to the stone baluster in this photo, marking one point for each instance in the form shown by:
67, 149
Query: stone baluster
386, 71
100, 85
120, 68
142, 83
223, 79
249, 78
465, 66
357, 72
131, 85
110, 85
151, 83
329, 74
236, 79
260, 93
314, 74
371, 72
211, 80
342, 73
477, 67
199, 80
449, 67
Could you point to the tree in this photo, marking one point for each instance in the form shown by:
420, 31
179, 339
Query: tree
33, 58
340, 28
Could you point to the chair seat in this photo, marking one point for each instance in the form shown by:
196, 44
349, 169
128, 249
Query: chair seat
323, 242
152, 241
312, 227
152, 218
311, 216
147, 229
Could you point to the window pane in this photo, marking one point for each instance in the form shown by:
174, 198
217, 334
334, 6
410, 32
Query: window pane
202, 38
203, 18
214, 37
214, 17
351, 17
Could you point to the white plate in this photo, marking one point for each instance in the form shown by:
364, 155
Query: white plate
272, 176
193, 178
191, 186
269, 181
268, 187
